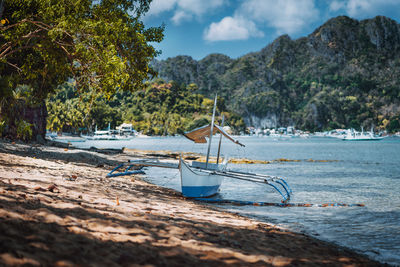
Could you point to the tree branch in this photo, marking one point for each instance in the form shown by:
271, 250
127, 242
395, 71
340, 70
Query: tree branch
4, 55
15, 66
5, 50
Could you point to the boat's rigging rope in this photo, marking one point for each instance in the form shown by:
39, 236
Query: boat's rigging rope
240, 151
168, 180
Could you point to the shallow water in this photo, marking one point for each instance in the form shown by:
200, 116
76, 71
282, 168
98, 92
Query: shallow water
355, 172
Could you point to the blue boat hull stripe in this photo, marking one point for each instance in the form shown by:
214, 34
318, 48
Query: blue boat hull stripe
199, 191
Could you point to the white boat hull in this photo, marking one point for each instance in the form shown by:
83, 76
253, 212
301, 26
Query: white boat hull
363, 139
198, 183
108, 137
353, 135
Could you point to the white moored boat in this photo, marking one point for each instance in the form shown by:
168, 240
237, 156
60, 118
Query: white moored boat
353, 135
108, 134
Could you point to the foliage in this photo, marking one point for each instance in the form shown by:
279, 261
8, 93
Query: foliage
159, 109
72, 112
2, 127
170, 108
66, 116
24, 130
102, 115
102, 45
17, 111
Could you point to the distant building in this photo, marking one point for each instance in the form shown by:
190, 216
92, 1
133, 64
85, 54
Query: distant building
290, 130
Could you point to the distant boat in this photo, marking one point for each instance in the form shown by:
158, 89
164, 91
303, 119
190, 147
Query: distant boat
64, 137
126, 129
51, 135
108, 134
337, 133
353, 135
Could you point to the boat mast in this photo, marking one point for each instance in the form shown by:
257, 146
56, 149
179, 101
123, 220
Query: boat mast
220, 139
211, 130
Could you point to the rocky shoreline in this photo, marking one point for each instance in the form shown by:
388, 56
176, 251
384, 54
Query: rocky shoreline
57, 208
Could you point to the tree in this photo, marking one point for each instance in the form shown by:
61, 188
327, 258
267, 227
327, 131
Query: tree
102, 45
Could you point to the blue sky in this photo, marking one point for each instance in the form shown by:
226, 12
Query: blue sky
237, 27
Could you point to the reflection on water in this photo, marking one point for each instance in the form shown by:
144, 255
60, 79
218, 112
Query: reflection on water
356, 172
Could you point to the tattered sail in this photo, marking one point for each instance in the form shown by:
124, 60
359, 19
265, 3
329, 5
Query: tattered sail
199, 135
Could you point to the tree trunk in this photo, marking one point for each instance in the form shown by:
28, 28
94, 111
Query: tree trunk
15, 110
37, 116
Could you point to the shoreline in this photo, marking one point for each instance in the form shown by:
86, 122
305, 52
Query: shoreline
57, 208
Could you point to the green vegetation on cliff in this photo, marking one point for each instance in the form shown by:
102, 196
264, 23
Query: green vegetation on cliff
344, 74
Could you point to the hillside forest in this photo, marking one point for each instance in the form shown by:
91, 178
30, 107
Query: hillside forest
159, 109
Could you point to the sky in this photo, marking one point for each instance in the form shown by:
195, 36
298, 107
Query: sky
198, 28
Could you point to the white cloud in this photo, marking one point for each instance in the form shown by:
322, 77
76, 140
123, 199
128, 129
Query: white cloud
159, 6
199, 7
184, 10
365, 8
286, 16
354, 7
336, 5
180, 16
231, 28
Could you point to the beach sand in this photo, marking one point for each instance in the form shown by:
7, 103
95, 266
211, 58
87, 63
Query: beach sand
57, 208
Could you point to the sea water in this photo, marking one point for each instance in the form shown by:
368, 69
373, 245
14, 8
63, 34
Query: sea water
326, 170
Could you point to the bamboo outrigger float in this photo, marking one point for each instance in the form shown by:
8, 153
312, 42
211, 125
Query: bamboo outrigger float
203, 179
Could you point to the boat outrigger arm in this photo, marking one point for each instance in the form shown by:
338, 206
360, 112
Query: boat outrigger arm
275, 182
279, 184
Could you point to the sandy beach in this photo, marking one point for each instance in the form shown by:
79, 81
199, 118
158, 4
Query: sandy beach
57, 208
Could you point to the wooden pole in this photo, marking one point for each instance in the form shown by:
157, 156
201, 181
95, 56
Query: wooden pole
211, 131
220, 139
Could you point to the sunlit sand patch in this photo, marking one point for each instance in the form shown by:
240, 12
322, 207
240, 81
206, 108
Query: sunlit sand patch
11, 260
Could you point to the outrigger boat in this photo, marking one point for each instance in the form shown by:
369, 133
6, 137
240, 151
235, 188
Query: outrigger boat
353, 135
203, 179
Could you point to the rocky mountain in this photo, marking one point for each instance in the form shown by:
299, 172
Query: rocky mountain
344, 74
